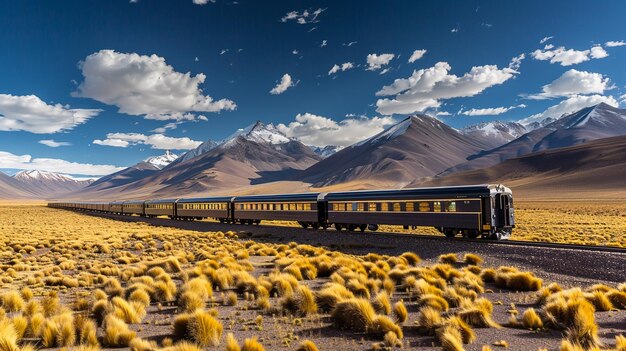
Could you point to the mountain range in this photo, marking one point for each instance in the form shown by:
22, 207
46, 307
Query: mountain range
418, 150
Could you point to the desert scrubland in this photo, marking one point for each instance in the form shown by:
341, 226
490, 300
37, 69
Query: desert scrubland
70, 280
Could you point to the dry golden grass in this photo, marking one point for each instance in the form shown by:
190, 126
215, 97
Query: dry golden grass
68, 278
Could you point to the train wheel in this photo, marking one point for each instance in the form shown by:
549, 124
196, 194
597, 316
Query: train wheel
315, 225
304, 224
338, 227
373, 227
449, 233
472, 234
496, 236
351, 227
362, 227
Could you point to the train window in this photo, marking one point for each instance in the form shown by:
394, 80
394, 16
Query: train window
360, 206
292, 207
437, 206
451, 206
307, 207
410, 207
384, 206
372, 206
396, 207
298, 207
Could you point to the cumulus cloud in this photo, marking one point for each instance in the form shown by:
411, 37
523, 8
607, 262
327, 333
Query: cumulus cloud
156, 141
282, 86
545, 39
574, 82
321, 131
416, 55
52, 143
376, 62
568, 57
611, 44
491, 111
516, 62
426, 87
29, 113
569, 105
304, 17
202, 2
145, 85
12, 161
344, 67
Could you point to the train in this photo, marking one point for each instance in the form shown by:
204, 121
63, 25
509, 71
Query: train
470, 211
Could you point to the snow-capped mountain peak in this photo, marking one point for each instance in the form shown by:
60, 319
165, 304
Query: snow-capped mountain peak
259, 133
35, 174
326, 151
162, 160
495, 128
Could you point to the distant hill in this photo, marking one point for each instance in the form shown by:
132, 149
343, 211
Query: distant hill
418, 146
495, 133
591, 123
10, 188
253, 155
595, 168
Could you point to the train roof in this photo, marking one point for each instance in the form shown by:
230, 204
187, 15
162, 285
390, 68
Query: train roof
161, 201
206, 199
277, 197
463, 190
134, 202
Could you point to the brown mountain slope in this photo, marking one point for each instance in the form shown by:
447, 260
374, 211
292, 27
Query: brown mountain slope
418, 146
591, 123
596, 168
11, 188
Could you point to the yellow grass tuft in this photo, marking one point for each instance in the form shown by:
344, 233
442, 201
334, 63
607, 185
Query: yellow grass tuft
231, 343
140, 296
620, 343
429, 318
190, 301
434, 301
307, 345
139, 344
20, 324
450, 339
450, 258
128, 312
478, 314
531, 320
411, 258
116, 332
200, 327
382, 303
599, 300
12, 301
330, 295
617, 299
400, 312
252, 344
355, 314
472, 259
301, 302
501, 343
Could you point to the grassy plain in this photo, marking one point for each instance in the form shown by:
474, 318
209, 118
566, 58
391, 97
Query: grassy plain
68, 280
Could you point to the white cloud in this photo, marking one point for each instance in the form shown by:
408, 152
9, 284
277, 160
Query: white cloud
156, 141
611, 44
443, 113
426, 87
416, 55
29, 113
598, 52
344, 67
568, 57
52, 143
516, 62
304, 17
295, 52
574, 82
9, 160
492, 111
168, 126
321, 131
545, 39
282, 86
569, 105
202, 2
376, 62
145, 85
324, 43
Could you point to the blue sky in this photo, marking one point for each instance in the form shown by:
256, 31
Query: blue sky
118, 70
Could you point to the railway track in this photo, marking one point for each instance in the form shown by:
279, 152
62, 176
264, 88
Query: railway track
241, 227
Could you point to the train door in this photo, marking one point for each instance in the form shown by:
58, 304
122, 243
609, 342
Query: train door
504, 211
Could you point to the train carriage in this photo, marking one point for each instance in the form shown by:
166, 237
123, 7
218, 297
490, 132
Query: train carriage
134, 207
301, 208
469, 210
164, 207
206, 207
116, 207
